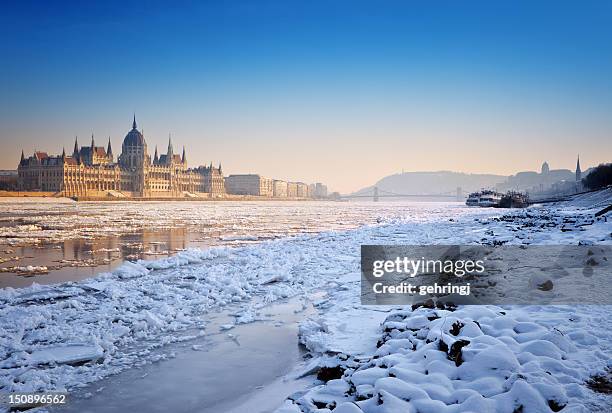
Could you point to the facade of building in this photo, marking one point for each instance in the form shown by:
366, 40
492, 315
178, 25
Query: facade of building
212, 180
320, 190
301, 190
92, 171
292, 189
249, 184
257, 185
311, 190
279, 189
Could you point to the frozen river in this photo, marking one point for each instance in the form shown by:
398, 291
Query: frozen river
55, 240
200, 312
218, 324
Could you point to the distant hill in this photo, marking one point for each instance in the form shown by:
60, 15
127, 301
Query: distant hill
434, 182
528, 180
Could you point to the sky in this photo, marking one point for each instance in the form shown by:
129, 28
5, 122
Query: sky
340, 92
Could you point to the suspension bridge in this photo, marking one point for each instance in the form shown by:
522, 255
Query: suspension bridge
375, 193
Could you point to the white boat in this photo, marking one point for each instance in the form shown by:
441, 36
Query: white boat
485, 198
473, 199
489, 199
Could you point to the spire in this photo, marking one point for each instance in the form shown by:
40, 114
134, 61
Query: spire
220, 168
22, 156
184, 158
109, 149
134, 123
93, 144
75, 152
170, 152
156, 157
63, 153
578, 171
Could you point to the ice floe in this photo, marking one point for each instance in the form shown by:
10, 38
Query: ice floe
479, 357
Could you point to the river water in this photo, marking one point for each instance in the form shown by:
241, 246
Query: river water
244, 370
53, 240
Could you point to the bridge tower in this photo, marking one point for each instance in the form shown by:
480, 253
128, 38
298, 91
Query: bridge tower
375, 194
459, 194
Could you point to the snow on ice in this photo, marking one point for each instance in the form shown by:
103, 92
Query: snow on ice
367, 359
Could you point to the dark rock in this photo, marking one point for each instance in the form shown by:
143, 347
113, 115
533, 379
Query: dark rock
601, 383
554, 406
456, 328
455, 351
330, 373
546, 286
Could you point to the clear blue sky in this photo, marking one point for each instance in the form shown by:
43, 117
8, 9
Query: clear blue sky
343, 92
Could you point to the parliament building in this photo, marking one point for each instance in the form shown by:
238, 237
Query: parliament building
91, 171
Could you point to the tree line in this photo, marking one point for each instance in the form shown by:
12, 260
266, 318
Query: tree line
599, 177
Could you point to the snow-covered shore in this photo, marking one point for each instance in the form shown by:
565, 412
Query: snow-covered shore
429, 358
64, 336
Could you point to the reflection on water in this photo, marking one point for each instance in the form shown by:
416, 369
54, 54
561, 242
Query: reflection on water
76, 259
53, 240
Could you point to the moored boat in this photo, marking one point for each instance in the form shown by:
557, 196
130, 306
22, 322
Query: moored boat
514, 200
473, 199
484, 198
489, 199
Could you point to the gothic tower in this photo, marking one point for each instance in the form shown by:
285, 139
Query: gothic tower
75, 151
170, 152
109, 151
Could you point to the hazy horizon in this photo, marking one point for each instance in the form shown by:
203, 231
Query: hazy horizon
343, 93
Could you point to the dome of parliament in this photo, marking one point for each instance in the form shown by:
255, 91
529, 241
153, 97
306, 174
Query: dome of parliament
134, 137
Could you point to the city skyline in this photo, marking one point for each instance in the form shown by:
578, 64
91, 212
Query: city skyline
363, 93
161, 148
93, 172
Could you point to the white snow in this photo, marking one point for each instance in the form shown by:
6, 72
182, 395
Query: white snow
147, 304
472, 358
117, 318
